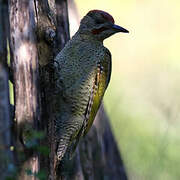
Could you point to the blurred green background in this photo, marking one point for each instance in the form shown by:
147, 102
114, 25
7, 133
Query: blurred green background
143, 98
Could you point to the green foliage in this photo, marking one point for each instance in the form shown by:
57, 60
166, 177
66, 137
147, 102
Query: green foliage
29, 172
38, 134
41, 175
31, 137
44, 150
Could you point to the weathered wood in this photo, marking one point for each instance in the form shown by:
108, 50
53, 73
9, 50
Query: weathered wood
7, 166
45, 23
52, 33
45, 30
25, 73
62, 29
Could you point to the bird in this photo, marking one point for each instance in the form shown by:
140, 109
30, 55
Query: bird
83, 75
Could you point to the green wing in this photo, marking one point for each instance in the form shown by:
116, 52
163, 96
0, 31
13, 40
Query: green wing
101, 81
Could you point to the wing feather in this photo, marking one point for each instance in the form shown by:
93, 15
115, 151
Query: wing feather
101, 81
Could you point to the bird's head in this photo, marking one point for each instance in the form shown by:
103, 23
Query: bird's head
99, 24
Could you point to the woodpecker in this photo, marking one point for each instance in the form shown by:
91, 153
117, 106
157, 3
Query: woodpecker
82, 78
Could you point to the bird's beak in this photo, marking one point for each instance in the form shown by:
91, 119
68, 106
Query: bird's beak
119, 28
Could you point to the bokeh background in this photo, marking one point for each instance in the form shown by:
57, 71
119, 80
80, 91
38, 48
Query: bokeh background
143, 98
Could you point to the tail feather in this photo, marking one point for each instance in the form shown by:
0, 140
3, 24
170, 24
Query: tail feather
62, 147
68, 132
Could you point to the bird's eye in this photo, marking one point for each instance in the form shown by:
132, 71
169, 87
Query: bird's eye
99, 22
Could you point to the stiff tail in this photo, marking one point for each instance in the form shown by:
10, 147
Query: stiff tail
62, 147
69, 137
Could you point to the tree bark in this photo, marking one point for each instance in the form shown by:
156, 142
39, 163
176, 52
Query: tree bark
53, 33
62, 29
25, 75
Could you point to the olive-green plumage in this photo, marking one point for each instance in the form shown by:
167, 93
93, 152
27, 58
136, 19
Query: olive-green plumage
84, 74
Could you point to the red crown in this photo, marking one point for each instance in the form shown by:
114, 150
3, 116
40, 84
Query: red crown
105, 15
